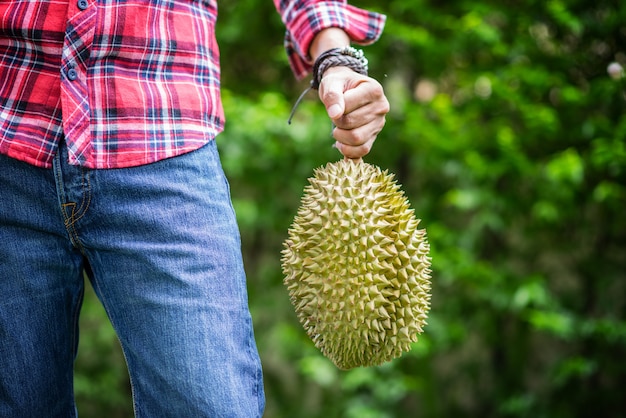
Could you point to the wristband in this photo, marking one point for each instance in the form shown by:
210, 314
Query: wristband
337, 57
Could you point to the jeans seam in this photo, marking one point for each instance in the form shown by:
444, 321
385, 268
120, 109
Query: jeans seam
75, 319
103, 300
84, 204
70, 217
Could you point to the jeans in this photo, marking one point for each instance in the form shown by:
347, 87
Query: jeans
161, 247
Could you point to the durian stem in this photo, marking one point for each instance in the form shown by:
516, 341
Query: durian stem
354, 160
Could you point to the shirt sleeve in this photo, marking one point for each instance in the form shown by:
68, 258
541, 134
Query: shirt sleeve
305, 18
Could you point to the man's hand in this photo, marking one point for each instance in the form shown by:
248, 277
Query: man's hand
357, 106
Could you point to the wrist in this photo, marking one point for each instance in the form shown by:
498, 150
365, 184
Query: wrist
346, 57
326, 39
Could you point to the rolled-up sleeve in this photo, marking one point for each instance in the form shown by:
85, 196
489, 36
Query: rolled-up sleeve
305, 18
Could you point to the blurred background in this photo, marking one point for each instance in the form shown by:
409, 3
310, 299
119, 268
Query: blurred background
508, 135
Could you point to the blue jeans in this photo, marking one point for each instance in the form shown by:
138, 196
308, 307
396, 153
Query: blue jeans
161, 247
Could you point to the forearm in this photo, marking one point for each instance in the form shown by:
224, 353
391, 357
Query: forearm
308, 19
327, 39
354, 102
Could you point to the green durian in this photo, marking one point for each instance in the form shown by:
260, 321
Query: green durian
356, 266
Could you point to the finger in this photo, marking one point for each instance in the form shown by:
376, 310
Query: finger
360, 135
356, 143
367, 92
363, 105
355, 152
363, 115
331, 93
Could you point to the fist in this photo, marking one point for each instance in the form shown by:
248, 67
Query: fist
357, 106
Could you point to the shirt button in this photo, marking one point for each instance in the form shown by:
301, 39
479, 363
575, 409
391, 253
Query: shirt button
72, 74
82, 4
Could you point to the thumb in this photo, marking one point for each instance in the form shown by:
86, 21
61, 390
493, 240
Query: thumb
331, 94
336, 109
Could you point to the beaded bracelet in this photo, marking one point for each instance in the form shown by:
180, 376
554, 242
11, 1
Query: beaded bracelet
337, 57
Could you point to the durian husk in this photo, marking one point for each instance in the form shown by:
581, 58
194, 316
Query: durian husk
356, 266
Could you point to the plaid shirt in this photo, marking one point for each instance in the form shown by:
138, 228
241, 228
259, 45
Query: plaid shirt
130, 82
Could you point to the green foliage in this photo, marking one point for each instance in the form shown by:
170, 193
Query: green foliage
101, 384
509, 138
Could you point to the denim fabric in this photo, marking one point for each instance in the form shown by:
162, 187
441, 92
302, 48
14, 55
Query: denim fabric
161, 247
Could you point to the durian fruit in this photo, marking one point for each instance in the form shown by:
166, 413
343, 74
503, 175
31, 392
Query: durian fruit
356, 267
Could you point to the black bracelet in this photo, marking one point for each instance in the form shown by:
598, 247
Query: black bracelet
337, 57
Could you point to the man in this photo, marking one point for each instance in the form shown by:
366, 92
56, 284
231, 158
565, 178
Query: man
109, 111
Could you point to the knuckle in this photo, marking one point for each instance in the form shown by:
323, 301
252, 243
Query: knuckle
377, 95
385, 107
358, 137
329, 94
327, 91
376, 89
347, 121
383, 121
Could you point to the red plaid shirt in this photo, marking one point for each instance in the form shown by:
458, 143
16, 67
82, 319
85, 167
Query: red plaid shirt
130, 82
